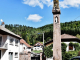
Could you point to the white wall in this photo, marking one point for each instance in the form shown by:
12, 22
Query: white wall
49, 58
11, 48
21, 47
37, 48
29, 49
67, 43
24, 50
4, 53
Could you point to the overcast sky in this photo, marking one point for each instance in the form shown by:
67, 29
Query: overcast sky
37, 13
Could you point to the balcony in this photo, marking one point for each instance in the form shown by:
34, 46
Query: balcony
3, 46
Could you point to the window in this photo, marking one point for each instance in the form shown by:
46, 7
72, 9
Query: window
70, 47
38, 46
56, 19
29, 47
0, 40
24, 48
16, 42
16, 55
0, 54
10, 55
11, 41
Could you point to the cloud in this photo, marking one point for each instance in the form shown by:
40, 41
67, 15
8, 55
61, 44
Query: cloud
69, 3
63, 3
39, 3
1, 20
34, 18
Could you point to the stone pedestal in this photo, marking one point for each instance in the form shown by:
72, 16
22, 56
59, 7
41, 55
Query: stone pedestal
29, 55
40, 55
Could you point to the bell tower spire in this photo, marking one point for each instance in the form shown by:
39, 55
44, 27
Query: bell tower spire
56, 31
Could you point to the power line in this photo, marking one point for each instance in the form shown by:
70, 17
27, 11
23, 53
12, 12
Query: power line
77, 17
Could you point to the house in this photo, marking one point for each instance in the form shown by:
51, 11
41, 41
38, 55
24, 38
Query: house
66, 38
9, 44
24, 47
38, 46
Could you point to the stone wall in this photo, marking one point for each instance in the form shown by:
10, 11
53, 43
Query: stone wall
23, 56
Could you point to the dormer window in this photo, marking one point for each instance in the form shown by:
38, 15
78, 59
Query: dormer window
56, 19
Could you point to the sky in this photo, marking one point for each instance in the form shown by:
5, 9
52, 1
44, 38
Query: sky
37, 13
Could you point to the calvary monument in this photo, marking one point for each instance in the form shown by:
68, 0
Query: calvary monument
56, 32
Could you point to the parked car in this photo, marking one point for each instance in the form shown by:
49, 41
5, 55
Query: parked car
75, 58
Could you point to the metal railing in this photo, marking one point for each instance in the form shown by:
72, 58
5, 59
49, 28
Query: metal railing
4, 45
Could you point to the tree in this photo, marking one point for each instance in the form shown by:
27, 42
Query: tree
27, 40
48, 38
76, 46
78, 36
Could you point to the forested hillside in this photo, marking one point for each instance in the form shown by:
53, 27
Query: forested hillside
31, 35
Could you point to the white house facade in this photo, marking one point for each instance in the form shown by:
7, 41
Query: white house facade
9, 45
24, 47
66, 38
67, 48
38, 46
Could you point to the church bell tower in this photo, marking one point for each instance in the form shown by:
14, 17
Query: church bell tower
57, 55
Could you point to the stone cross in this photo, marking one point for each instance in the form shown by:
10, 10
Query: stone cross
56, 32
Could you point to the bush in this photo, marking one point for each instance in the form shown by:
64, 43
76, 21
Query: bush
63, 47
76, 46
71, 44
48, 52
51, 46
69, 55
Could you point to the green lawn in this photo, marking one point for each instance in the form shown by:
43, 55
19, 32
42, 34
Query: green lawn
35, 51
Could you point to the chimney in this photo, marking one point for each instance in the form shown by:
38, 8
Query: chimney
3, 24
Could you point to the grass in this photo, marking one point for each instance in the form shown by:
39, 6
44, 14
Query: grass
35, 51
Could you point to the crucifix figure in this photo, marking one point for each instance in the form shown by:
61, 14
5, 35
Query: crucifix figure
56, 4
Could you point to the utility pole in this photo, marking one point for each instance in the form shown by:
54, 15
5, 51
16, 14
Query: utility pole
43, 42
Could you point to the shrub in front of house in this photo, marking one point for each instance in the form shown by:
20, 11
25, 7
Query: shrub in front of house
76, 46
65, 55
63, 47
69, 55
48, 52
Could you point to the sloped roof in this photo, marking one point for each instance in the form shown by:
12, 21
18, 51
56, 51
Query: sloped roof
38, 44
67, 36
24, 42
6, 31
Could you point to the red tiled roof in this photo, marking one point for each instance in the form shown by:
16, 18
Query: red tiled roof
38, 44
24, 42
